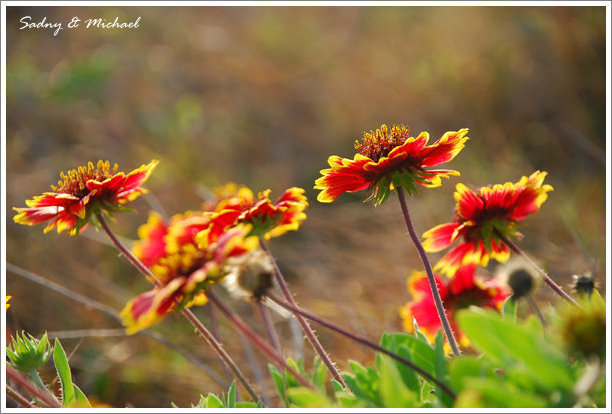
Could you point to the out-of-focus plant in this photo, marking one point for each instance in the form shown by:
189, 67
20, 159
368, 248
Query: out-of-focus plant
29, 354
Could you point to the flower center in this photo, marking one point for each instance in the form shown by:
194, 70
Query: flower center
75, 182
376, 145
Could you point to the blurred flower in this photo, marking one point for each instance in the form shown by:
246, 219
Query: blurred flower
583, 328
184, 274
8, 305
463, 290
267, 219
169, 248
389, 158
27, 353
480, 215
83, 192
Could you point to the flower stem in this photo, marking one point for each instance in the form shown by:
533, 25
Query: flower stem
430, 276
20, 379
542, 273
312, 338
255, 339
197, 324
362, 340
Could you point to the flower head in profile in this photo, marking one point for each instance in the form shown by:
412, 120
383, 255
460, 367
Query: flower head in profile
481, 217
463, 290
267, 218
83, 192
390, 158
184, 267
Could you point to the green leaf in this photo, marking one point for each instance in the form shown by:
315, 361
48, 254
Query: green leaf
441, 365
418, 332
246, 404
520, 347
337, 386
63, 371
231, 395
319, 374
307, 398
80, 398
212, 401
509, 308
394, 393
492, 392
279, 383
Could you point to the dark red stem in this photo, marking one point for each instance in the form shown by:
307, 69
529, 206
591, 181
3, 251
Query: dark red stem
448, 331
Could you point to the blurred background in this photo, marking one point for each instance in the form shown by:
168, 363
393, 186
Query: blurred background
262, 96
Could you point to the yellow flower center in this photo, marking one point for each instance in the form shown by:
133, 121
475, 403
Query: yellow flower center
75, 182
376, 145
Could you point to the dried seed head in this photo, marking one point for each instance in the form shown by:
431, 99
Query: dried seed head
250, 274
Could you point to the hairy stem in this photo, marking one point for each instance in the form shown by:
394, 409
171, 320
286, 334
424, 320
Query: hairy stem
544, 275
430, 276
197, 324
255, 339
20, 379
312, 338
363, 341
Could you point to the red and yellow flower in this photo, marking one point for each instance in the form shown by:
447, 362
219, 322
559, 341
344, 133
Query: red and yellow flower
183, 267
463, 290
268, 219
390, 158
82, 192
481, 216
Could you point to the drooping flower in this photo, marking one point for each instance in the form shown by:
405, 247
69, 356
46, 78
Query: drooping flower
184, 270
481, 216
390, 158
83, 192
463, 290
268, 219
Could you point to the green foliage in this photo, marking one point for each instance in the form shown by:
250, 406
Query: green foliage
389, 384
72, 395
520, 366
28, 353
227, 400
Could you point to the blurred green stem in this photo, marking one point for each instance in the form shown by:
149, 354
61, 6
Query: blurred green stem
448, 331
542, 273
197, 324
314, 341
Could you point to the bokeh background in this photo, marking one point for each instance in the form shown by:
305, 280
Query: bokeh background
262, 96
